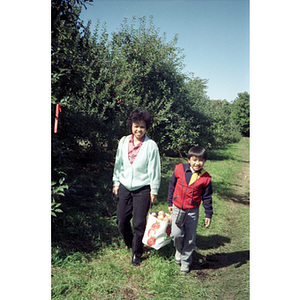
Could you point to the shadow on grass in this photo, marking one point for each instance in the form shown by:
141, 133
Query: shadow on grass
211, 261
211, 242
229, 193
220, 260
217, 260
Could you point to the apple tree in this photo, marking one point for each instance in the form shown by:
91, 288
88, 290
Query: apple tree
240, 113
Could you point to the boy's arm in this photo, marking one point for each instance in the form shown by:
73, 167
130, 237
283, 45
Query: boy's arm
207, 200
172, 184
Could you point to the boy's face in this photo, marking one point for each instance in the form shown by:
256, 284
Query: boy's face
196, 163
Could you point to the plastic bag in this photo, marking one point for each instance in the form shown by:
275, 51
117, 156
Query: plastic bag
157, 233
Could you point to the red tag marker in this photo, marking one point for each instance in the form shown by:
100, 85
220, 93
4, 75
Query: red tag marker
58, 110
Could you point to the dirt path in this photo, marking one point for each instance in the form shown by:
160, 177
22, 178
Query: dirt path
225, 269
242, 190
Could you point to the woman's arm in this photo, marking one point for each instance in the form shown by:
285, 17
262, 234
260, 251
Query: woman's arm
154, 168
118, 166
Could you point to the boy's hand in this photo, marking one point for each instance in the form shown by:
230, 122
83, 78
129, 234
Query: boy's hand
207, 222
170, 208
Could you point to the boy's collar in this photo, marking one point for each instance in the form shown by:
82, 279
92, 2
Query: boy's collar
191, 169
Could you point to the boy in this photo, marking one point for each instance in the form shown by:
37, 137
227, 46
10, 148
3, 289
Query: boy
189, 185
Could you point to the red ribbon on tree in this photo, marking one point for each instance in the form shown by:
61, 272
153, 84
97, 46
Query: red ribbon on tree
58, 110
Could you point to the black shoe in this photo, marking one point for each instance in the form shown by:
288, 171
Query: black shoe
136, 261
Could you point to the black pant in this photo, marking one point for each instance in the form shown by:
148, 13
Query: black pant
135, 205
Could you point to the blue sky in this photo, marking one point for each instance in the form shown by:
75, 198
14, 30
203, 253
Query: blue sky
213, 33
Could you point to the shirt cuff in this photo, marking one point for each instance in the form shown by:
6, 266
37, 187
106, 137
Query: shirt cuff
154, 191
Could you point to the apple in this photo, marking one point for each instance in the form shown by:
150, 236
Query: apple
161, 212
154, 214
166, 219
160, 217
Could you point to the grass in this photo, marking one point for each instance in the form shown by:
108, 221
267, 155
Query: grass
220, 267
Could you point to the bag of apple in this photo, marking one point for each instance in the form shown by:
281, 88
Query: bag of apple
158, 230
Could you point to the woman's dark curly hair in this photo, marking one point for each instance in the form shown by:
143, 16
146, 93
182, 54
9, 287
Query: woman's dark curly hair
137, 115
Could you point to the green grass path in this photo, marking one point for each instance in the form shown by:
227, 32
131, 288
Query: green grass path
221, 263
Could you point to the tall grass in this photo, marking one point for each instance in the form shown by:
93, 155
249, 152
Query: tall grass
220, 268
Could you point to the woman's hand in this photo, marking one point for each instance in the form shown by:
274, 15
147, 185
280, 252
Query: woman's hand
116, 190
152, 198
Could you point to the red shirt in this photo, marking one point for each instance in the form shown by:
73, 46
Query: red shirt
133, 150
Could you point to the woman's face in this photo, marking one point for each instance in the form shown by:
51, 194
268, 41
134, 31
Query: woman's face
138, 129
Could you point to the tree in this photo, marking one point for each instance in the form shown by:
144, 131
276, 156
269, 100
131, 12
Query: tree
98, 82
146, 72
210, 119
240, 113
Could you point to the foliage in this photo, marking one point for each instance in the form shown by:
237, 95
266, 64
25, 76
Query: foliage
211, 121
241, 113
57, 189
55, 208
102, 81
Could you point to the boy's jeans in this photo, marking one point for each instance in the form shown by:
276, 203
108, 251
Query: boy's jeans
185, 237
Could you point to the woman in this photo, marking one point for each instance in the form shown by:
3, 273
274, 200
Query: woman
136, 180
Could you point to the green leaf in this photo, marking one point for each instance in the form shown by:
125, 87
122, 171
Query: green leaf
61, 180
61, 188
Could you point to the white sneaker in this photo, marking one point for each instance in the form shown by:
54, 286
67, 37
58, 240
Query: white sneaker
177, 257
184, 268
